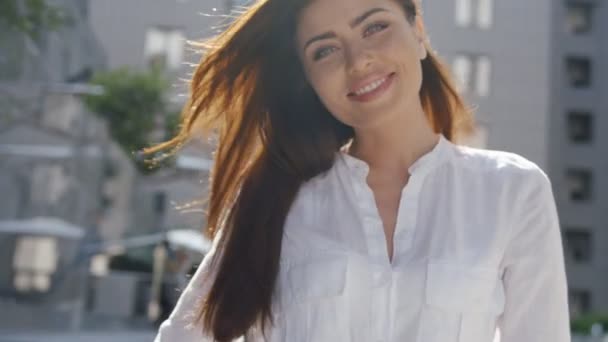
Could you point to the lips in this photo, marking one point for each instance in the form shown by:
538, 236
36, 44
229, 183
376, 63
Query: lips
370, 87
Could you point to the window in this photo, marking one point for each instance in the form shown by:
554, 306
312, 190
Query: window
464, 12
478, 12
110, 169
580, 126
160, 199
482, 80
62, 112
485, 11
164, 47
580, 301
105, 203
578, 71
578, 17
473, 73
463, 68
34, 263
49, 184
578, 245
579, 184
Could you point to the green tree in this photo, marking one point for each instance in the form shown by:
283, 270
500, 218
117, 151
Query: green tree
583, 324
31, 17
131, 102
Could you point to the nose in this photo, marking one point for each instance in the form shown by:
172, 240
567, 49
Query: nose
358, 59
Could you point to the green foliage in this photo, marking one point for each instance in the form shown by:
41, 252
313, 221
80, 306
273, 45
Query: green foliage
130, 103
583, 324
31, 17
172, 124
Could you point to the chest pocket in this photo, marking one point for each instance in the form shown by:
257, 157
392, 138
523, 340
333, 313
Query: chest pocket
312, 296
462, 303
318, 278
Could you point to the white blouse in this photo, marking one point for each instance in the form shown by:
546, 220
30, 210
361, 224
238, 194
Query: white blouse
477, 257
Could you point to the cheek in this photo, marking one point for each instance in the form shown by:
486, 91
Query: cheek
329, 86
408, 63
329, 89
401, 46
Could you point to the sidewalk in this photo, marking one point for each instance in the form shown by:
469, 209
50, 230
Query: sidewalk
84, 336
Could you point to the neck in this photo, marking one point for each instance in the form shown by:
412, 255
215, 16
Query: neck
393, 146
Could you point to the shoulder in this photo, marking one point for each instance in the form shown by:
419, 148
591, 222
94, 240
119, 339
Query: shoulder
502, 165
493, 160
505, 176
303, 206
314, 196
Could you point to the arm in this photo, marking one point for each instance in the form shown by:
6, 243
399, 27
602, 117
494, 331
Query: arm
180, 324
535, 281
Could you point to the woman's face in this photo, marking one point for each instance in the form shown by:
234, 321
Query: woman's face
362, 57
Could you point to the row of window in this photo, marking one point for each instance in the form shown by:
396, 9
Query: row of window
473, 72
164, 45
480, 14
578, 241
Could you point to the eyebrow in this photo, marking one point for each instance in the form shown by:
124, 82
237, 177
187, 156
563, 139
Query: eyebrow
354, 23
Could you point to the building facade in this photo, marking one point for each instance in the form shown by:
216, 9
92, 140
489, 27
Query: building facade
145, 34
55, 163
537, 74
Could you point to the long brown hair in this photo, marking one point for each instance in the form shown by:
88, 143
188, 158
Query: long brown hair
274, 134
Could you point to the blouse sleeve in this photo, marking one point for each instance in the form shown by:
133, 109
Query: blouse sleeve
535, 282
180, 324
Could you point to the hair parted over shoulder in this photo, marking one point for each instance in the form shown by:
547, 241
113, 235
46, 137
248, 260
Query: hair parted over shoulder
273, 134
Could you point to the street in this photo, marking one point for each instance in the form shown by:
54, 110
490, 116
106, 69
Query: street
98, 336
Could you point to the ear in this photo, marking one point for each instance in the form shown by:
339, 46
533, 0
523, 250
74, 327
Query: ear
421, 37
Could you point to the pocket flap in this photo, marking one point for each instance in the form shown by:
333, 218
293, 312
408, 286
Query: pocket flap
317, 278
462, 288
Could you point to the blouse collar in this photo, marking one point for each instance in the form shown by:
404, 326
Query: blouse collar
423, 164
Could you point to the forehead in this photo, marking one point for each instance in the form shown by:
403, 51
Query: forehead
322, 15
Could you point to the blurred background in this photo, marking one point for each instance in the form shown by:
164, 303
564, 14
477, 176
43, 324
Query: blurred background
95, 243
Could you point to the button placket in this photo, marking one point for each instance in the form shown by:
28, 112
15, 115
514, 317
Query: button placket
372, 224
408, 212
381, 302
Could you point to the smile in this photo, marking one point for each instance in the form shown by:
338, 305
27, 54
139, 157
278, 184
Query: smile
372, 90
370, 87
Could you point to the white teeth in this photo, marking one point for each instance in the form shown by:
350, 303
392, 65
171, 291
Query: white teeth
370, 87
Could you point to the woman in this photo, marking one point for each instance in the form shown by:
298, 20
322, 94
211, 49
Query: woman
342, 209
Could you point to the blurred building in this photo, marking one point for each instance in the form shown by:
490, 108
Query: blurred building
537, 72
141, 33
59, 172
69, 54
173, 198
72, 198
154, 33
